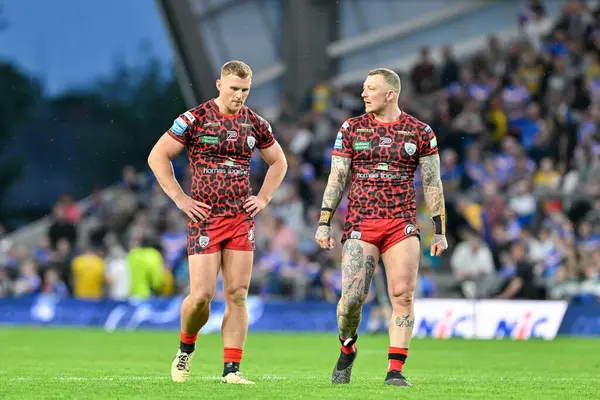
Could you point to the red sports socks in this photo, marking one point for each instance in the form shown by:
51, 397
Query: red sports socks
397, 358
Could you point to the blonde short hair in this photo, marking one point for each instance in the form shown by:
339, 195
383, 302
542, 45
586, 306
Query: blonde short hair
237, 68
390, 77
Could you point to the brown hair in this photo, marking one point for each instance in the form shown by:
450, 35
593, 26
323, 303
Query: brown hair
237, 68
390, 77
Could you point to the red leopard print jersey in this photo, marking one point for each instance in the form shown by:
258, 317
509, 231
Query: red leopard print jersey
384, 159
219, 149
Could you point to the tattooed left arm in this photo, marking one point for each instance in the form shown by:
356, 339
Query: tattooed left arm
434, 197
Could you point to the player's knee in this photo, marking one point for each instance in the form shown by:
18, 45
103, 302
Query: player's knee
402, 296
201, 298
237, 295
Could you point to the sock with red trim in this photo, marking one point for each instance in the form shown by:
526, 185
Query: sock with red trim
396, 358
231, 360
349, 344
188, 342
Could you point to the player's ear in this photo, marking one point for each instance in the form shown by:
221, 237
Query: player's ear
390, 95
218, 85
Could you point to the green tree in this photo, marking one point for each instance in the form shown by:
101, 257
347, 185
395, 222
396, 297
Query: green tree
18, 96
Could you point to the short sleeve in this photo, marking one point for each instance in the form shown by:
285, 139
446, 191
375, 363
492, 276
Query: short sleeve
182, 129
427, 142
264, 133
343, 145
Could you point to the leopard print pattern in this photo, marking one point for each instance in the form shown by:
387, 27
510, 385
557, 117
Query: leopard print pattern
219, 150
384, 157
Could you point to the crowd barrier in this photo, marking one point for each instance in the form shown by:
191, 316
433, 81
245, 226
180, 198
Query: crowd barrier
435, 318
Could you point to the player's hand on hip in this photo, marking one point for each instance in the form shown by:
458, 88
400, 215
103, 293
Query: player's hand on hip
439, 244
255, 204
324, 237
194, 209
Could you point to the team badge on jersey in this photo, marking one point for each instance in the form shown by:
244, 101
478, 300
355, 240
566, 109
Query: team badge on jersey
410, 228
355, 235
410, 148
251, 140
203, 241
179, 126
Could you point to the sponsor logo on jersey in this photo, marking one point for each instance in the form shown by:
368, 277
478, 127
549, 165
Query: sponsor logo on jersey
382, 166
224, 171
405, 133
338, 141
210, 139
410, 148
365, 130
189, 116
251, 140
251, 234
428, 129
232, 135
433, 143
179, 126
362, 145
385, 142
246, 125
355, 235
230, 162
345, 125
211, 124
203, 241
410, 228
382, 175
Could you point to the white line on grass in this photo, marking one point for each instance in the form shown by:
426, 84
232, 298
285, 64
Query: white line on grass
131, 378
424, 379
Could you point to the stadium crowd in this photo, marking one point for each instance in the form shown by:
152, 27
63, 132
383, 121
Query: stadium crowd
517, 125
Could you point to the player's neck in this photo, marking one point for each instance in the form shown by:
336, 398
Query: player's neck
222, 108
388, 115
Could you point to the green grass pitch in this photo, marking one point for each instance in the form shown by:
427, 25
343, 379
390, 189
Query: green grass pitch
41, 363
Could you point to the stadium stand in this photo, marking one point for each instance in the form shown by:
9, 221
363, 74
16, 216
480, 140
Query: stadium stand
517, 122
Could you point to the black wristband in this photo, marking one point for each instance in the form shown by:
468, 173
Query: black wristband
438, 225
326, 215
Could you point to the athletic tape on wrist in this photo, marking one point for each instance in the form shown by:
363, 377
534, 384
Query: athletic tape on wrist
326, 215
439, 226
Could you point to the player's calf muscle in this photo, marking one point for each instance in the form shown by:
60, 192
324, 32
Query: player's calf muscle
358, 267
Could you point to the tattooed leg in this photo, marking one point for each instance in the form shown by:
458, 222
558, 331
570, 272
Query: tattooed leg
358, 265
402, 264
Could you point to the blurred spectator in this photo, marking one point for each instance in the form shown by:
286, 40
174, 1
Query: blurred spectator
61, 227
521, 285
146, 269
53, 285
71, 209
88, 275
117, 275
28, 281
471, 263
6, 284
450, 69
423, 75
